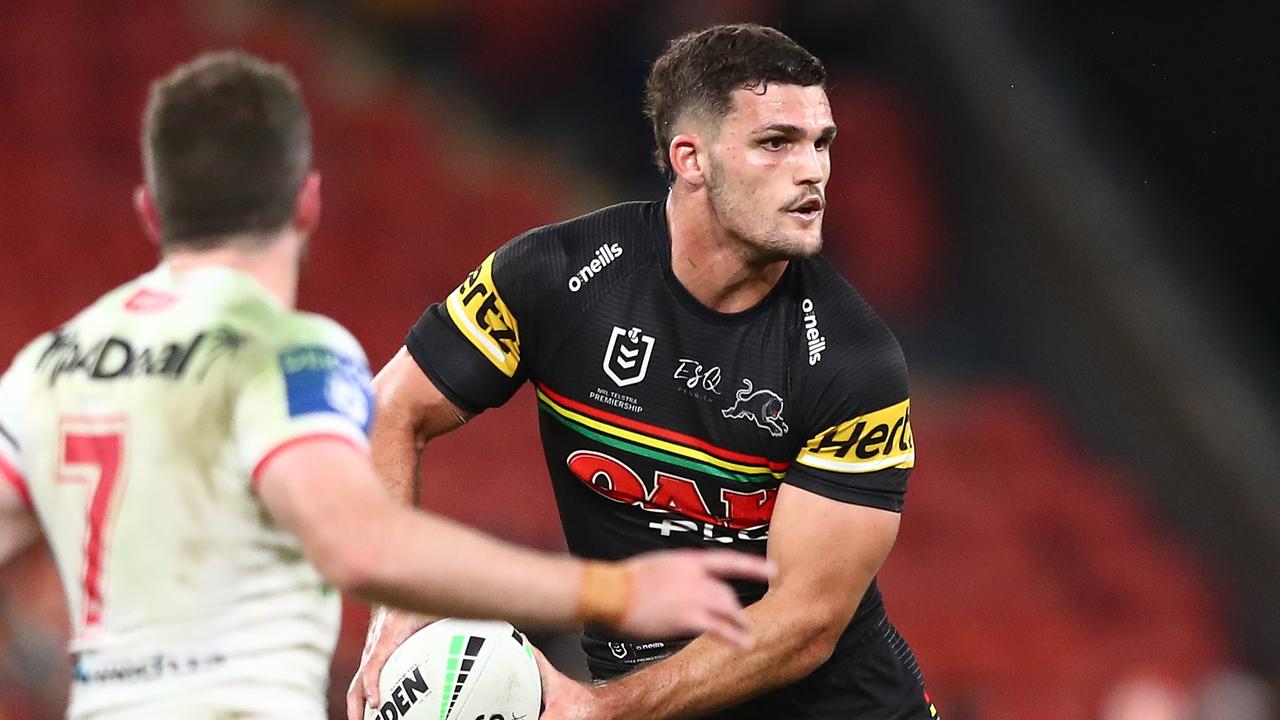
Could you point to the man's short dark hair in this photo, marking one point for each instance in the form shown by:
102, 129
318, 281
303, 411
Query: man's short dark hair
700, 70
226, 145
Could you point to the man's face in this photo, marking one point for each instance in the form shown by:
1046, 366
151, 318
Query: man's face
770, 162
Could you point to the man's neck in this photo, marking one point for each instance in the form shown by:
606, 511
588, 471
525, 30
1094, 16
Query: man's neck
274, 263
716, 268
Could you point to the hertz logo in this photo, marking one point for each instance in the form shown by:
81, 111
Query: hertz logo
485, 320
875, 441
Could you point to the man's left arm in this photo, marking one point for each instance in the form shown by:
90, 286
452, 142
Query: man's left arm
826, 552
19, 528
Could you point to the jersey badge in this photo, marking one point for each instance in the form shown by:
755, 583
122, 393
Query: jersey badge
762, 407
319, 380
627, 358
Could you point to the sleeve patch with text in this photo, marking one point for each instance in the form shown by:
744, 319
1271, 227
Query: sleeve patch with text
319, 380
484, 319
867, 443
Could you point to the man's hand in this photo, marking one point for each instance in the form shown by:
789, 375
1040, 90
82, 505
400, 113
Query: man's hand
388, 629
562, 697
683, 593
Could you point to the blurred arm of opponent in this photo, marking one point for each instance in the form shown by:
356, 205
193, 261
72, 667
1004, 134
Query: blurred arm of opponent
19, 528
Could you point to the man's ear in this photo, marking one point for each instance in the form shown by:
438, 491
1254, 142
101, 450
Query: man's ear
688, 157
145, 207
307, 215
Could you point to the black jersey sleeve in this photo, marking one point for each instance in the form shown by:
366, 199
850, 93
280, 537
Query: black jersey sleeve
856, 412
475, 346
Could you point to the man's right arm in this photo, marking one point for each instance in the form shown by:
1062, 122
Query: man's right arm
410, 412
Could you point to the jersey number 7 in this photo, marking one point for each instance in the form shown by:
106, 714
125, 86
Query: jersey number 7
92, 454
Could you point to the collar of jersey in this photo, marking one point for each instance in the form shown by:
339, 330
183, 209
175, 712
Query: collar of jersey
662, 240
208, 275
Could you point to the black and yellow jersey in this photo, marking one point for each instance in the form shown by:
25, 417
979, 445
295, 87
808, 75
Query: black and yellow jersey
666, 424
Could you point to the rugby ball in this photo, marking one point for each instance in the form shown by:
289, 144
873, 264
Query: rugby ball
460, 670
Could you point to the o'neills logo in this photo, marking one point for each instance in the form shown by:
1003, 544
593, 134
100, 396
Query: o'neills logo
817, 342
605, 254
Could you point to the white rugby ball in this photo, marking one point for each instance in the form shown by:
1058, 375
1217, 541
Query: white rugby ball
461, 670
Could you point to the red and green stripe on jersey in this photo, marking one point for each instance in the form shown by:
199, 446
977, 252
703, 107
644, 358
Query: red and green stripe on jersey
659, 444
744, 502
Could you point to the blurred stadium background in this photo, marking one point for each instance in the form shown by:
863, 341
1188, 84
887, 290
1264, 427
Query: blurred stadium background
1061, 211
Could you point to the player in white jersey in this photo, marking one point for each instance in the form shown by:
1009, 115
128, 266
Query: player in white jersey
196, 453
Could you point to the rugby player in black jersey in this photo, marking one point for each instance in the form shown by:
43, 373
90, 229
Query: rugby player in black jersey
704, 379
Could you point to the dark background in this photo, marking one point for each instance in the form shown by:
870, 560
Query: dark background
1193, 90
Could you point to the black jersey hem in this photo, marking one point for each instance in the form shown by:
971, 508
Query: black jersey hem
879, 499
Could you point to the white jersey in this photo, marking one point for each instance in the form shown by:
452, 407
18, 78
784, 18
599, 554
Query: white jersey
136, 432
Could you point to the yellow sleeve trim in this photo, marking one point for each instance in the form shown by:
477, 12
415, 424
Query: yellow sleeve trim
875, 441
484, 319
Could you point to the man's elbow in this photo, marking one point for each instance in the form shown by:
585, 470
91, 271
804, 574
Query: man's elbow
819, 630
397, 424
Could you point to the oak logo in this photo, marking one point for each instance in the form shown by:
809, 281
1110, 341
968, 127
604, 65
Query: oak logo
484, 319
668, 493
626, 360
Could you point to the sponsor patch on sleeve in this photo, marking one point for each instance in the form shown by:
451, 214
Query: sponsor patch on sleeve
867, 443
482, 316
319, 380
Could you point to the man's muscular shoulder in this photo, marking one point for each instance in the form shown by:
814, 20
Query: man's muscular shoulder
571, 258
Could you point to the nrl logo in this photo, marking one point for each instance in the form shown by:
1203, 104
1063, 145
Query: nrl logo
627, 359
